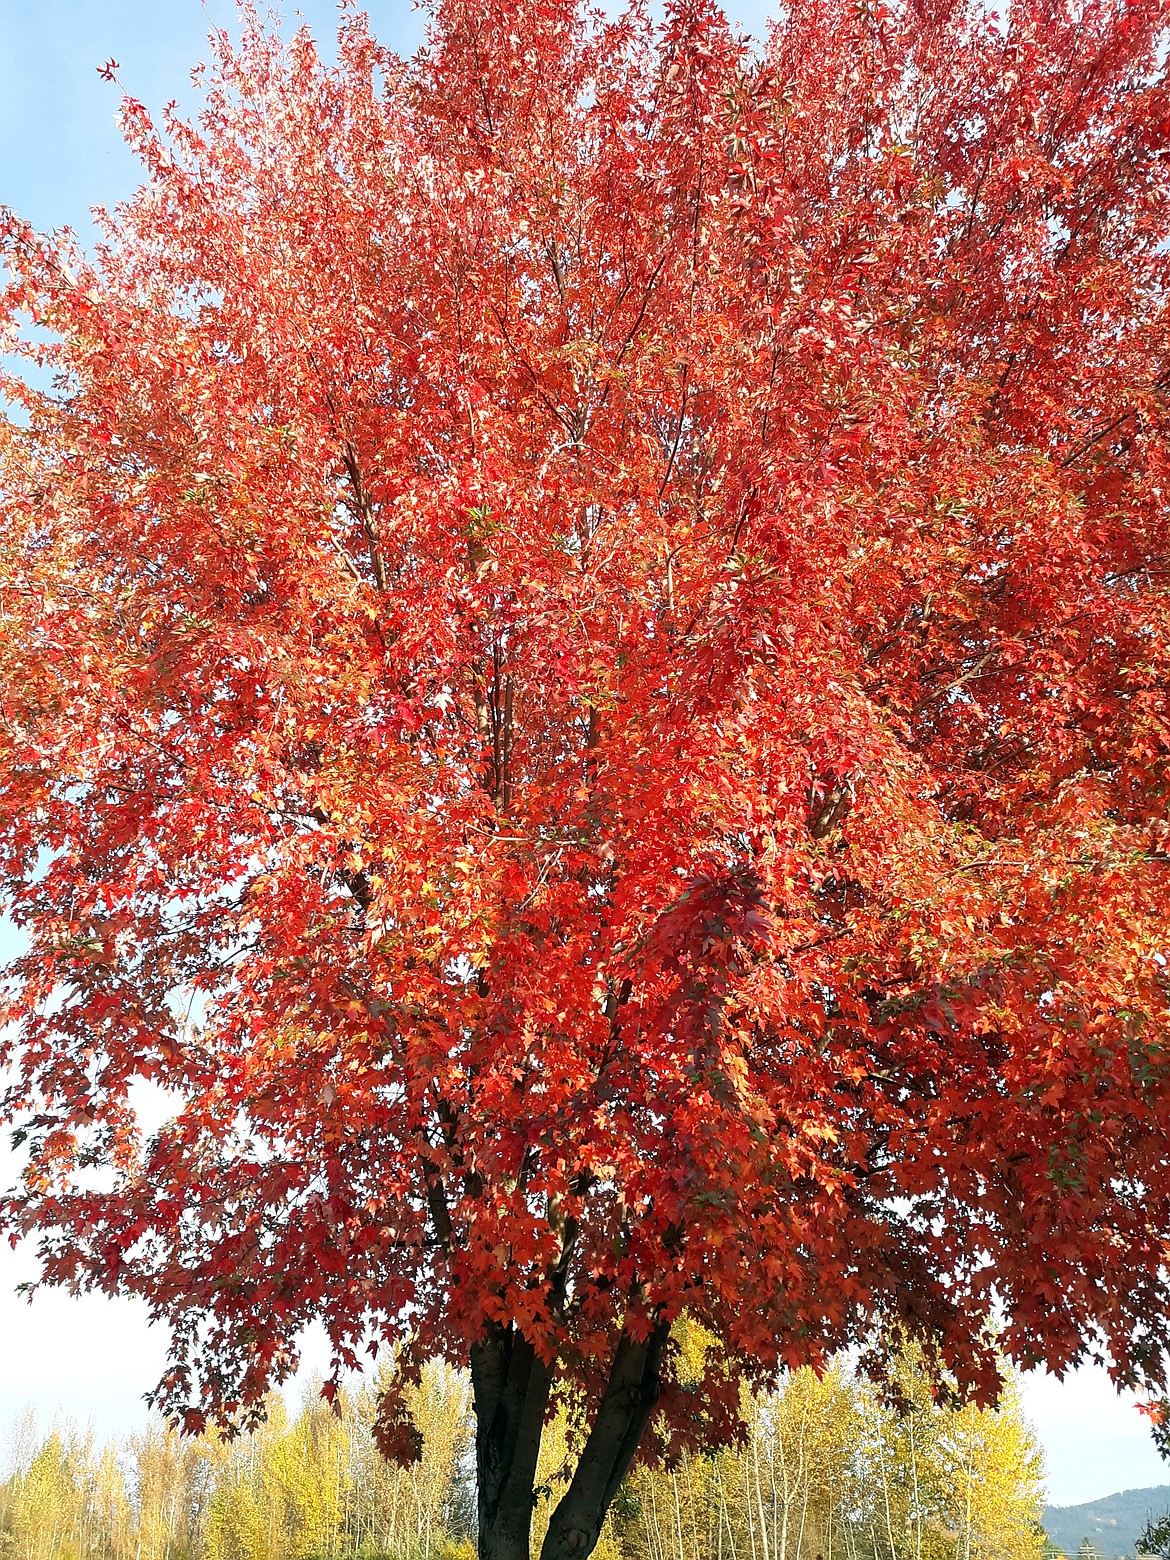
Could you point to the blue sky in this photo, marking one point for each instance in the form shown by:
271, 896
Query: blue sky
59, 149
60, 153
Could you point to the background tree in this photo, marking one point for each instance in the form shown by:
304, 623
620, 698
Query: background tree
583, 677
830, 1468
821, 1469
45, 1515
173, 1479
1155, 1539
997, 1510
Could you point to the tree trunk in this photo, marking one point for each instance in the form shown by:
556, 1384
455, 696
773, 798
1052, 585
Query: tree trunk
622, 1417
511, 1386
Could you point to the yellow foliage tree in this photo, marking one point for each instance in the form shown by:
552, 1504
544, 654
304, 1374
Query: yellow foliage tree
236, 1525
994, 1483
305, 1480
826, 1469
829, 1470
47, 1520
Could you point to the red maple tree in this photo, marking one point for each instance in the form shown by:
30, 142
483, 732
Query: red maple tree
585, 678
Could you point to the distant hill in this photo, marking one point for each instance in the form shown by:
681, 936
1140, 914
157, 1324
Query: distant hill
1112, 1524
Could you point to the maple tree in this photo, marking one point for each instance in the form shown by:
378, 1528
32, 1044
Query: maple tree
584, 678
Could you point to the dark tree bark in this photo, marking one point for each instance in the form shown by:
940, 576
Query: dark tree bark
622, 1418
511, 1386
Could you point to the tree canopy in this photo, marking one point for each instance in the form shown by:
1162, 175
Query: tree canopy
584, 678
